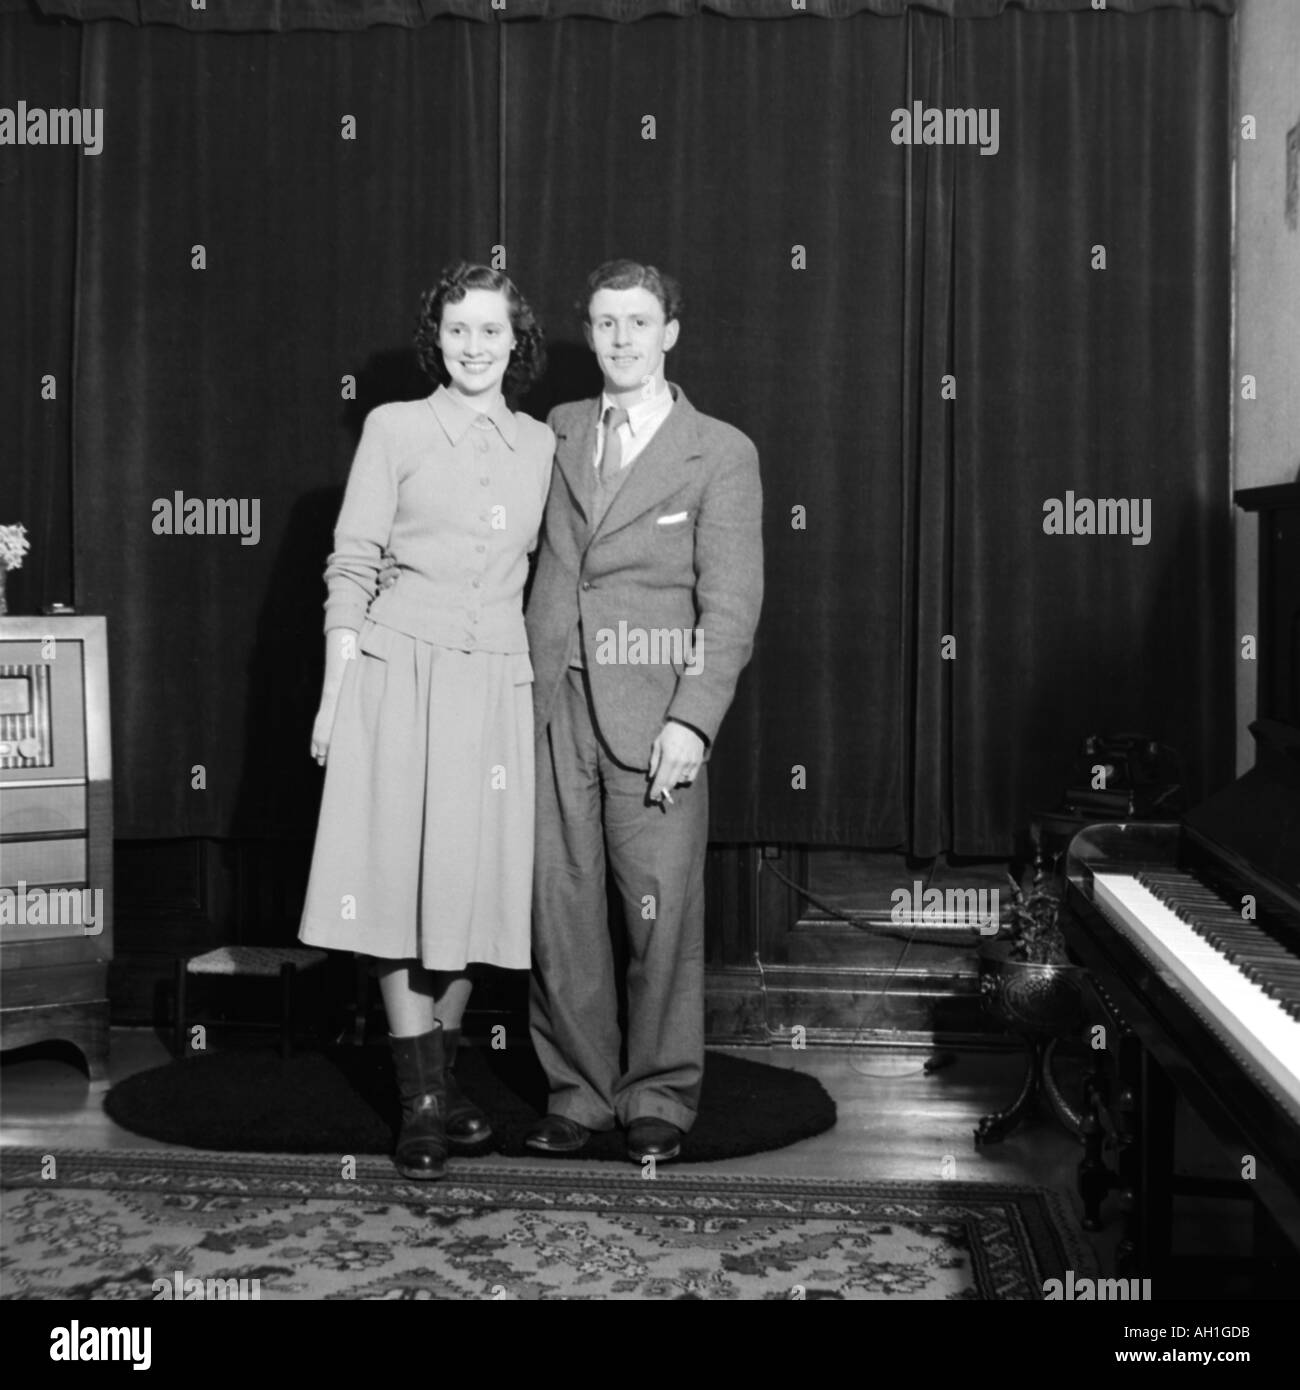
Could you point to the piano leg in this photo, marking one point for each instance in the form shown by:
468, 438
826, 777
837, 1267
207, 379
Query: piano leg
1094, 1178
1146, 1173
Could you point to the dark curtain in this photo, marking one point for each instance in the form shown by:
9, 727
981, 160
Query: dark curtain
922, 516
750, 161
229, 382
1107, 383
38, 240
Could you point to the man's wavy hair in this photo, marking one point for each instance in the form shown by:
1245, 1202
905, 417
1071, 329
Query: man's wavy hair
632, 275
527, 357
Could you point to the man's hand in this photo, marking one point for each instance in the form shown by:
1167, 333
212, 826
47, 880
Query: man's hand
675, 758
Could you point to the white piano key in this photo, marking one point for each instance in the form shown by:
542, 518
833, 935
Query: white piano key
1255, 1023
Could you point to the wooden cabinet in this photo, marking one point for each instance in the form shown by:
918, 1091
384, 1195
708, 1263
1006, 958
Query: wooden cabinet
56, 835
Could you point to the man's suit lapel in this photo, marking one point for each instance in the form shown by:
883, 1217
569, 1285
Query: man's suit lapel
574, 454
666, 463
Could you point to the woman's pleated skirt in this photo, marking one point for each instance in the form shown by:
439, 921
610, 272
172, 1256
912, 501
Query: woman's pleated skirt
424, 847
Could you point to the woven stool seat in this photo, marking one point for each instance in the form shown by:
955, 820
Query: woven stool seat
285, 964
254, 960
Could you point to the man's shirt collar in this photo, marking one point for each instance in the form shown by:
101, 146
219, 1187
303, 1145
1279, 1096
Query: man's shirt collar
641, 413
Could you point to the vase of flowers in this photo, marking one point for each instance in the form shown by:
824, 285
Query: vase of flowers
1026, 979
13, 546
1029, 986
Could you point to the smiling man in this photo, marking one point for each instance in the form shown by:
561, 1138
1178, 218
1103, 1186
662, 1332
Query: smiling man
653, 532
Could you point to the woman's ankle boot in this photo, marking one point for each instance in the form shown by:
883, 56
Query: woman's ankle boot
422, 1143
468, 1127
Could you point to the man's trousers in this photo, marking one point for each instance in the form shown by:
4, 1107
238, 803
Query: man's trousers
591, 811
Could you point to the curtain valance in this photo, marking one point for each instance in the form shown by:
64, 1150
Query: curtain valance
277, 16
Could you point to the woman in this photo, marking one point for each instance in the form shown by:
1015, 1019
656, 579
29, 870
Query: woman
424, 849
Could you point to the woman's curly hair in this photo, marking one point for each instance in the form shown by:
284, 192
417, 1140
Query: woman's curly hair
527, 357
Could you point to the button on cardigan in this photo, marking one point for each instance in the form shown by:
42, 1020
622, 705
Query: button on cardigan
456, 496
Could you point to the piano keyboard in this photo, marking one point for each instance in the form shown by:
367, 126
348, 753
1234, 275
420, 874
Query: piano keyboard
1245, 983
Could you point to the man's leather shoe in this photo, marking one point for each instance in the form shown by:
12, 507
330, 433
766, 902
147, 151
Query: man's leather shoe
557, 1134
652, 1138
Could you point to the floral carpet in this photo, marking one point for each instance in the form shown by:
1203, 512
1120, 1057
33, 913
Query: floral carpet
132, 1224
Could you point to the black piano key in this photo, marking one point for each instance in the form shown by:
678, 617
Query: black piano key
1269, 964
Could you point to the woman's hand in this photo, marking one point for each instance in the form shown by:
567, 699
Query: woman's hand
323, 728
388, 570
340, 648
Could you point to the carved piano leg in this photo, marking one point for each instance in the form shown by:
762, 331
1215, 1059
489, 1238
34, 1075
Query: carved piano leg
1127, 1259
1129, 1123
1094, 1178
1146, 1166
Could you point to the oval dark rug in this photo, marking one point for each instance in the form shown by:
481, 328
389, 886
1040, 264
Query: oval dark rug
343, 1100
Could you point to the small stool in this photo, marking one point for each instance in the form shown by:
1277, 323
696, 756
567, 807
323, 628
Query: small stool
249, 962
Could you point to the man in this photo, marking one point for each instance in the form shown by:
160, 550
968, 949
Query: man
642, 614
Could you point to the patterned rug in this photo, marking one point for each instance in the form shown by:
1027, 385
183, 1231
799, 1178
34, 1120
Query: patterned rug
133, 1224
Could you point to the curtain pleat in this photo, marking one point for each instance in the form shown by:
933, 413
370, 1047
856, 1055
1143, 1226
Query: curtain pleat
926, 457
38, 238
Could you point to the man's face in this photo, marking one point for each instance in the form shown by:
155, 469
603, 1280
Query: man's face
627, 332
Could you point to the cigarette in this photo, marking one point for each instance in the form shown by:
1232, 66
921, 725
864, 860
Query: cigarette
668, 797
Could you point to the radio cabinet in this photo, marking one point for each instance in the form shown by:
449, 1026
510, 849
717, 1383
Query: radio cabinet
56, 835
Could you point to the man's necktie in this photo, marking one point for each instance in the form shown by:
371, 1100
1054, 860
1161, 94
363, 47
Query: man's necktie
611, 449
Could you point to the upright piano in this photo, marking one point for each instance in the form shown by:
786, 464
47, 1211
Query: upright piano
1191, 933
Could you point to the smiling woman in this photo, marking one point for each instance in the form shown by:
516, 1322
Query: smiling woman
476, 339
475, 315
424, 851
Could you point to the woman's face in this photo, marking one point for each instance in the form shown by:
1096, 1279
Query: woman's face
476, 338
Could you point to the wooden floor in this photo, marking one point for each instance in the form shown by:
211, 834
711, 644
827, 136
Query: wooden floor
895, 1120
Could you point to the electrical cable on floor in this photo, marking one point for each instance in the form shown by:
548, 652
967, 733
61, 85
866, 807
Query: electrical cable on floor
936, 938
762, 991
873, 1005
937, 1060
